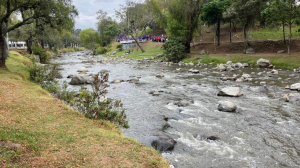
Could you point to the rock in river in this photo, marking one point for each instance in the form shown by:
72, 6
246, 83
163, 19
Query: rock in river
231, 92
83, 69
263, 63
81, 79
295, 86
195, 71
227, 106
163, 143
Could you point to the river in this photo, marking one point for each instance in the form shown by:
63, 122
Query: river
264, 132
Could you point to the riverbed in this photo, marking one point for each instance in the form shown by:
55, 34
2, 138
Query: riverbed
264, 132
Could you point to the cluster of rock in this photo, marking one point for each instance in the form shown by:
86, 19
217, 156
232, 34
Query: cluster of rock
230, 66
228, 106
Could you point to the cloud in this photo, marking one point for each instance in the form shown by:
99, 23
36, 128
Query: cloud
88, 8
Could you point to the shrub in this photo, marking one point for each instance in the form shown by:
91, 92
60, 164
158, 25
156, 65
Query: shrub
66, 95
44, 77
101, 50
95, 105
174, 49
44, 57
120, 47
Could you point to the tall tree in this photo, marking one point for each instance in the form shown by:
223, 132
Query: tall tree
52, 12
213, 14
247, 12
89, 38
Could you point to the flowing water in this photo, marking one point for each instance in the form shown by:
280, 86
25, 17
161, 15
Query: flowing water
265, 132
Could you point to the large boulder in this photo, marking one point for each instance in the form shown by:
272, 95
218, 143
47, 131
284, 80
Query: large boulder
250, 51
227, 106
231, 92
163, 143
83, 69
295, 86
81, 79
263, 63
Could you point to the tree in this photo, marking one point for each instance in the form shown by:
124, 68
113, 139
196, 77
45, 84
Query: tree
107, 28
213, 14
89, 38
247, 11
183, 18
41, 12
135, 18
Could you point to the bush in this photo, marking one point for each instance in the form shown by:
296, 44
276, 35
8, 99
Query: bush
119, 47
44, 77
44, 57
101, 50
66, 95
174, 49
95, 105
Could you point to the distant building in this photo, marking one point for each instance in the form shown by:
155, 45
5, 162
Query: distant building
19, 44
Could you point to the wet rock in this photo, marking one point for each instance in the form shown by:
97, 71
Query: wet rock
194, 71
70, 76
250, 51
83, 69
259, 73
163, 143
221, 67
263, 63
291, 97
134, 80
231, 92
246, 65
159, 55
240, 80
297, 70
182, 103
245, 76
295, 86
191, 64
160, 76
263, 83
281, 52
154, 93
178, 69
288, 87
117, 81
81, 79
212, 138
274, 72
239, 65
227, 106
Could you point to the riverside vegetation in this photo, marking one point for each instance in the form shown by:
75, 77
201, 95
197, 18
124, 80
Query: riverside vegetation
49, 133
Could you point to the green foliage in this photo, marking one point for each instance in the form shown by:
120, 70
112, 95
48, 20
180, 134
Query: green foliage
119, 47
89, 38
101, 50
174, 49
65, 94
44, 77
213, 10
95, 105
44, 57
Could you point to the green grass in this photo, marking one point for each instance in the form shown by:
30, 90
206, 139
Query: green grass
273, 34
280, 61
53, 135
152, 49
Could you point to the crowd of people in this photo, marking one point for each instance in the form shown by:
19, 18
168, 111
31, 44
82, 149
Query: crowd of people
161, 39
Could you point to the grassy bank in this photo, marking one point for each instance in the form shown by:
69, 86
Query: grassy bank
70, 49
152, 49
53, 135
279, 60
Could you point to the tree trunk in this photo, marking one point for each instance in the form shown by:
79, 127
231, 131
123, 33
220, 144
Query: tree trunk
218, 31
29, 43
245, 37
137, 42
42, 44
290, 38
3, 50
230, 31
283, 30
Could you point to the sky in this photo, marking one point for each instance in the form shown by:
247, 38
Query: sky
88, 8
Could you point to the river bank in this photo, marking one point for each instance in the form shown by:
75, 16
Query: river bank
37, 130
